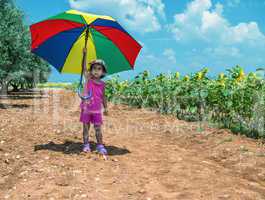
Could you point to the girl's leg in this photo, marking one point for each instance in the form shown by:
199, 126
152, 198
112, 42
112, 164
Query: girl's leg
98, 134
100, 147
86, 132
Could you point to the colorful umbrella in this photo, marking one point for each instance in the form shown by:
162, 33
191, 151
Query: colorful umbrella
61, 39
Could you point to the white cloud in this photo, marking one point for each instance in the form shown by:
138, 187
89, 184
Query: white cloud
223, 52
218, 42
138, 15
157, 5
219, 8
203, 21
170, 55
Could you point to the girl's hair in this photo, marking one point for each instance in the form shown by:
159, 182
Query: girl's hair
101, 63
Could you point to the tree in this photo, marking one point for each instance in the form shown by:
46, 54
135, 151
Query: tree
17, 64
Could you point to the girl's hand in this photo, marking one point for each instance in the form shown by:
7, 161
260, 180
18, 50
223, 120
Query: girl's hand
88, 75
87, 101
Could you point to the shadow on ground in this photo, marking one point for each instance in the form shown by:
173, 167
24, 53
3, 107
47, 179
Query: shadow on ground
23, 95
6, 106
71, 147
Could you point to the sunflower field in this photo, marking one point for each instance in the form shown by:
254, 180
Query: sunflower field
233, 100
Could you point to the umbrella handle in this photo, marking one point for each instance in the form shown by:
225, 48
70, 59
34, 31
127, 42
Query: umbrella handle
80, 93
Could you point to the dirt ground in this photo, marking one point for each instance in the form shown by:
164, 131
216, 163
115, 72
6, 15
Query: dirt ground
152, 156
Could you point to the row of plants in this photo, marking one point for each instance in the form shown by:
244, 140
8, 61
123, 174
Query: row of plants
233, 100
56, 85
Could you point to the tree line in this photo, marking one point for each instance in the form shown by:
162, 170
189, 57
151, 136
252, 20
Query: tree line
19, 68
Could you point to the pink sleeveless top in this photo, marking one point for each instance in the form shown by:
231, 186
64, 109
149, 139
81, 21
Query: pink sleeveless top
95, 103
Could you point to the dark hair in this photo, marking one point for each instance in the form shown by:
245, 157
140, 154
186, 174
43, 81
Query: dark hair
101, 63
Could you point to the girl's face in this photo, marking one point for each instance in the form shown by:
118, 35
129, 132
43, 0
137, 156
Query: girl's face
97, 71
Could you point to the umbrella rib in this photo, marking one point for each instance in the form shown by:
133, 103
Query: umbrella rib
105, 28
83, 19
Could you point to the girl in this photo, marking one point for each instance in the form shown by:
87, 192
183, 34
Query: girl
91, 109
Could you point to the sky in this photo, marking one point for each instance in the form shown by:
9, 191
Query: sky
176, 35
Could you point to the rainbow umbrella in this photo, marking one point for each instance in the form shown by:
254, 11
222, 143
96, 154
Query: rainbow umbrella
61, 39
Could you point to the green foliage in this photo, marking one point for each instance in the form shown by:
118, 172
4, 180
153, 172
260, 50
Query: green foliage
232, 100
18, 66
67, 86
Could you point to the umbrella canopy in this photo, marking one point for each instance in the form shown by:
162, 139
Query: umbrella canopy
61, 39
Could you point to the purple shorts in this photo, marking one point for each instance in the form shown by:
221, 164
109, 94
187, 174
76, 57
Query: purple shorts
88, 117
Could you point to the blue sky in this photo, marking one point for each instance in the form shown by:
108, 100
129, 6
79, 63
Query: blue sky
177, 35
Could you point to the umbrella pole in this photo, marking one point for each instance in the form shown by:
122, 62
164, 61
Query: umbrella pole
84, 54
83, 69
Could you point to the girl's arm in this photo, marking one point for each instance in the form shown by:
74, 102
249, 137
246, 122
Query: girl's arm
85, 70
105, 105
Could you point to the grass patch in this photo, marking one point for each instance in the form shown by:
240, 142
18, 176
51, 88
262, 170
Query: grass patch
50, 85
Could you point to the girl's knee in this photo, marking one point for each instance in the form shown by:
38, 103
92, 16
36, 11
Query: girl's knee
97, 127
86, 126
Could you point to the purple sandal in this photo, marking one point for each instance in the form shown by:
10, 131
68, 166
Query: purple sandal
101, 149
86, 148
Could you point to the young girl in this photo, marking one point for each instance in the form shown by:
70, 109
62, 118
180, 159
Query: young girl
91, 109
